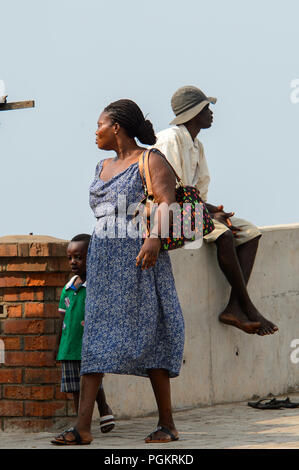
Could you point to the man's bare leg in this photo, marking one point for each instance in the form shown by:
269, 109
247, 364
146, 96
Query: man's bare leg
235, 313
246, 255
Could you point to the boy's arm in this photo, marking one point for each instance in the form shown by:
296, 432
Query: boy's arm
61, 309
58, 336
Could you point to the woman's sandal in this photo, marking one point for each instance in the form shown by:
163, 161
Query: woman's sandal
171, 437
60, 440
107, 423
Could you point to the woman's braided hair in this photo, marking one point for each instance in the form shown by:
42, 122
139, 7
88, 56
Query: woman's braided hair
129, 116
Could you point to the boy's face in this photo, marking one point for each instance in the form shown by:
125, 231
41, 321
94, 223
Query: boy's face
76, 253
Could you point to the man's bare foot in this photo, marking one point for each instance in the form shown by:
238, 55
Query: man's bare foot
267, 327
235, 317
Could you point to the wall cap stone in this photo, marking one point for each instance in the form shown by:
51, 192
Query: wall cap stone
30, 239
32, 246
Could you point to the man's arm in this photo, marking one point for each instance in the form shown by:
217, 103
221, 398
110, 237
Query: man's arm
218, 213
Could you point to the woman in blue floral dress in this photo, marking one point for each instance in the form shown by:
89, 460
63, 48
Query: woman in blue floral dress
133, 320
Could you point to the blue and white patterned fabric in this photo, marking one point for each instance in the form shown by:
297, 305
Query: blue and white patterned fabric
133, 319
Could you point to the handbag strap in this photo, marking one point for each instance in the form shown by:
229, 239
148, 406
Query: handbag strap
143, 164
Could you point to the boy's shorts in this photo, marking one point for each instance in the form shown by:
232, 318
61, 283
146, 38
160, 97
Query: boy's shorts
70, 378
248, 231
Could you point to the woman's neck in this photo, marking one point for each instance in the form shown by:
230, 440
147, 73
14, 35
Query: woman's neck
126, 149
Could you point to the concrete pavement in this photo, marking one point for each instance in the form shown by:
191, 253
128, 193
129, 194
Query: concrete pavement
228, 426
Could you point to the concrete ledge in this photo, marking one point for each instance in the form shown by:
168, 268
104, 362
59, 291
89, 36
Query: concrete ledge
223, 364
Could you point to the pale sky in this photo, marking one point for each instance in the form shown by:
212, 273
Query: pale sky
74, 57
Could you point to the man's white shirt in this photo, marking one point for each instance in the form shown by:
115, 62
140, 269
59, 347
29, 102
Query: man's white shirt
186, 156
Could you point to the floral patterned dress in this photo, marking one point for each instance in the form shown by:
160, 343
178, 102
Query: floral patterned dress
133, 319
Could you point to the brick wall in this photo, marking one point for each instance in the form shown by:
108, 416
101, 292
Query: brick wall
33, 271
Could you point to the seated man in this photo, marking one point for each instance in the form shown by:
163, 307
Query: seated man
236, 239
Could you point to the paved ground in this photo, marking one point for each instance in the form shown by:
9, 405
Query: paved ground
231, 426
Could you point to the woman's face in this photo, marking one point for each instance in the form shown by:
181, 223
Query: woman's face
105, 133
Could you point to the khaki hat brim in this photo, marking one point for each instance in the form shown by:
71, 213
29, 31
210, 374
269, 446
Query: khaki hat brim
191, 113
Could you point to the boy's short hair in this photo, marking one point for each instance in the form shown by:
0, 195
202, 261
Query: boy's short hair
82, 237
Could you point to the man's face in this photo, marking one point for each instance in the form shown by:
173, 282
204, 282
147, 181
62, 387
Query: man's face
76, 253
205, 118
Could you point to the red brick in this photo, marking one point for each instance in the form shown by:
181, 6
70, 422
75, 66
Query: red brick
36, 358
53, 265
58, 293
28, 393
14, 311
35, 343
59, 249
34, 309
28, 326
10, 376
16, 392
8, 250
42, 376
39, 249
13, 294
46, 279
11, 408
8, 280
62, 395
38, 309
11, 343
20, 265
45, 409
64, 265
42, 393
28, 425
23, 250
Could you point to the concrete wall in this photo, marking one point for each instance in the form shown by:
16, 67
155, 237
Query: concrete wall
221, 363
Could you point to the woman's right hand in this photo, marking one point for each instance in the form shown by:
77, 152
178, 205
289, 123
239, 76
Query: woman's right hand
149, 252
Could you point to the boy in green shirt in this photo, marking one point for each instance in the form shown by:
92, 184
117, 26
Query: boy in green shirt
69, 341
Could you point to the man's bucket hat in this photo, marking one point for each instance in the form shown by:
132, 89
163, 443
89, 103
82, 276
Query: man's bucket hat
187, 102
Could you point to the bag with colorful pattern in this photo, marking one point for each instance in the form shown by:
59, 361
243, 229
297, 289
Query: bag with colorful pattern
192, 217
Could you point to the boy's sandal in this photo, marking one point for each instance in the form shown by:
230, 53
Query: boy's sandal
60, 440
107, 423
266, 405
149, 439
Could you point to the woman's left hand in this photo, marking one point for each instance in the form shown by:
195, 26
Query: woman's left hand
149, 252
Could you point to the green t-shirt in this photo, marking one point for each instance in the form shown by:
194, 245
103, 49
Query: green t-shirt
72, 304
